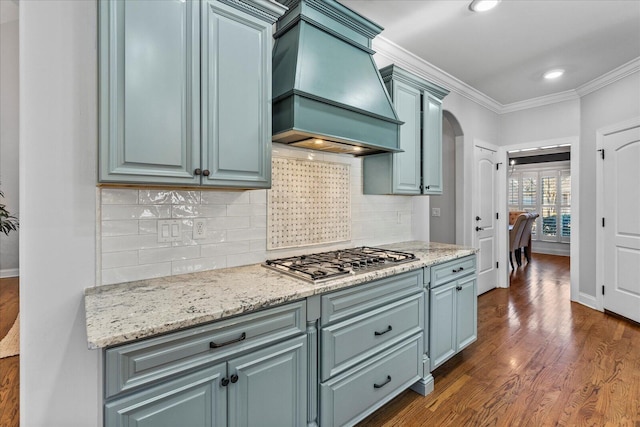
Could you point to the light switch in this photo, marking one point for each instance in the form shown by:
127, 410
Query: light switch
169, 230
435, 211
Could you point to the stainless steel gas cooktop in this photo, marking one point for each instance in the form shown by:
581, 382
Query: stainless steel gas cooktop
324, 266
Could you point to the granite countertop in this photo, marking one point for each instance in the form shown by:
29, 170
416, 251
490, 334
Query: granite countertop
125, 312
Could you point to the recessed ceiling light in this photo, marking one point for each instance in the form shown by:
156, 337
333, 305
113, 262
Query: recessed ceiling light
553, 74
483, 5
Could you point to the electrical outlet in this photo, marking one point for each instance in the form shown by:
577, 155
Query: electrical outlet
199, 229
435, 211
169, 230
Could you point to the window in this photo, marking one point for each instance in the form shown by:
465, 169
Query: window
546, 191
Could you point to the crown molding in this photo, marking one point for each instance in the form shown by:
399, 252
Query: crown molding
612, 76
430, 72
411, 62
567, 95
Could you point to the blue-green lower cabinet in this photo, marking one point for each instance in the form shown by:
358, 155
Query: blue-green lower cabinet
453, 318
267, 387
195, 400
271, 386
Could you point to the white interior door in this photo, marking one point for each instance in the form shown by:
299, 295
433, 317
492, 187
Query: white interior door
485, 218
621, 191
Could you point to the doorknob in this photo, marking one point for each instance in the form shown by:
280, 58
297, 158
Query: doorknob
479, 228
478, 218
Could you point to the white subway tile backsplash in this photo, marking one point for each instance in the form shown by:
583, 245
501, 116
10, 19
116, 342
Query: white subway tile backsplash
128, 243
225, 197
219, 249
138, 272
246, 234
119, 196
119, 227
236, 225
115, 212
244, 259
247, 210
229, 222
198, 211
150, 256
198, 264
119, 259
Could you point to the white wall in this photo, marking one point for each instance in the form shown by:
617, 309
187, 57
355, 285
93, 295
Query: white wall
612, 104
443, 228
9, 136
552, 121
59, 377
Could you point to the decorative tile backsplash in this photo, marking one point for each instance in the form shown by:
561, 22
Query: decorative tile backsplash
309, 203
236, 223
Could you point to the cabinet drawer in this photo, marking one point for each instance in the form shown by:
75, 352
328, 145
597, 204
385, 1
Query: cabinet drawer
451, 270
144, 362
355, 394
340, 305
349, 342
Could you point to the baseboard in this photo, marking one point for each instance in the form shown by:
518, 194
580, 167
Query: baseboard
9, 272
550, 251
588, 300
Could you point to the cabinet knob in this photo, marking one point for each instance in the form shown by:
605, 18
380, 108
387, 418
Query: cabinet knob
206, 172
479, 228
224, 382
458, 288
234, 378
198, 171
427, 187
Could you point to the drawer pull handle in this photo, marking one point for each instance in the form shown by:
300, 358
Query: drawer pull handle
384, 383
389, 329
457, 270
215, 345
458, 288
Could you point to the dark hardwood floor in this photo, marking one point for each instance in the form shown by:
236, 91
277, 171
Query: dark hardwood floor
9, 366
540, 360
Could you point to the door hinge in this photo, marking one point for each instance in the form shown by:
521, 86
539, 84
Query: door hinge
498, 166
601, 153
603, 222
497, 215
497, 265
602, 289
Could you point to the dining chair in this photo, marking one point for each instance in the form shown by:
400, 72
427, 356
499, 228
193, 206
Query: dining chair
525, 238
514, 236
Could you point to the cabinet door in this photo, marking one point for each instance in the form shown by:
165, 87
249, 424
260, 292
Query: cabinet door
432, 145
194, 400
271, 386
442, 333
149, 71
236, 97
406, 165
467, 317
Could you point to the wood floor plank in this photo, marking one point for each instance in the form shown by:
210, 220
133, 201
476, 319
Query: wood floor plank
540, 360
9, 366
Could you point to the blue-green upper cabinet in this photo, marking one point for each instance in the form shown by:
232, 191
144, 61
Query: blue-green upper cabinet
417, 170
149, 91
236, 94
185, 91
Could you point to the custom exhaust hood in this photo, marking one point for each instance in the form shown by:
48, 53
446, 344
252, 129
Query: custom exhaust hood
327, 92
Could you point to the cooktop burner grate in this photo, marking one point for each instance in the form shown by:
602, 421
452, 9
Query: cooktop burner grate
330, 265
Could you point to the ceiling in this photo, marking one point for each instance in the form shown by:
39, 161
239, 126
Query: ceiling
503, 53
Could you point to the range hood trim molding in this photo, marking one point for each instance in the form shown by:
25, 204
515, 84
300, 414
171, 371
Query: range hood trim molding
324, 28
298, 92
330, 138
339, 13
